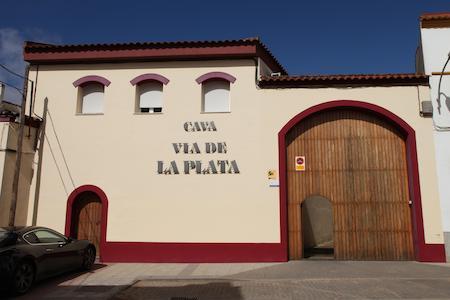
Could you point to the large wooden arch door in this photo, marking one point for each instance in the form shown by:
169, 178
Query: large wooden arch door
86, 218
357, 160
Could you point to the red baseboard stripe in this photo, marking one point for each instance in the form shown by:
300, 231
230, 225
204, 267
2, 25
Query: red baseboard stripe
193, 252
432, 253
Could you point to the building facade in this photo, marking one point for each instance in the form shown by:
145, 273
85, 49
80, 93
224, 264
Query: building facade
209, 152
433, 53
9, 136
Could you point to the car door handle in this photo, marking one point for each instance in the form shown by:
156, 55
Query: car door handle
49, 249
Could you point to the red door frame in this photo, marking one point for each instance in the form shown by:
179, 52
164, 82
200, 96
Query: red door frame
423, 252
104, 221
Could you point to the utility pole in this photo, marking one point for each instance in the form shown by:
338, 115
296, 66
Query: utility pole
15, 187
39, 166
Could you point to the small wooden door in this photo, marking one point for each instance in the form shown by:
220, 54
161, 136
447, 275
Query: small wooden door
358, 161
86, 220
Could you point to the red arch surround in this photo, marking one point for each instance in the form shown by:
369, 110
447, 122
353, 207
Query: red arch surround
216, 75
149, 76
104, 200
91, 78
423, 252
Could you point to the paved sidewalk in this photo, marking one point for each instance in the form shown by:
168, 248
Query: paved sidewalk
292, 280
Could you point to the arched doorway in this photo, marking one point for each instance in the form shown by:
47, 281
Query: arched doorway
358, 159
317, 228
86, 216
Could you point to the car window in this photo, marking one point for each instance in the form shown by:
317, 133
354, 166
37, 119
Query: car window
31, 238
43, 237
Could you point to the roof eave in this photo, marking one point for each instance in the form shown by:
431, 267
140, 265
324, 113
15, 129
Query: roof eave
342, 83
102, 54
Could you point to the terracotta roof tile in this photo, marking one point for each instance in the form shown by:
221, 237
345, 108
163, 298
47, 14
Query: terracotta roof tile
315, 81
435, 16
435, 20
48, 53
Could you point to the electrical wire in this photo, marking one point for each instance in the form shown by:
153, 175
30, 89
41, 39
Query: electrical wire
57, 166
438, 99
60, 148
12, 86
12, 72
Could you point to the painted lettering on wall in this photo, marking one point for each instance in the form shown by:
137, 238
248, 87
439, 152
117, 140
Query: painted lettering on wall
193, 166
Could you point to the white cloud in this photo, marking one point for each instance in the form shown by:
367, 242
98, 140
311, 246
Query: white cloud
11, 47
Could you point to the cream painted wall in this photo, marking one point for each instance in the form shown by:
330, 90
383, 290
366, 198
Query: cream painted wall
118, 152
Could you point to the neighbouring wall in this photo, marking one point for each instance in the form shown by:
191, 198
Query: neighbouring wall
9, 134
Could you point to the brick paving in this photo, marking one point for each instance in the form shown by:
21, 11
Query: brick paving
292, 280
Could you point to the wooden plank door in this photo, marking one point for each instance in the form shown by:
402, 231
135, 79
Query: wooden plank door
88, 210
358, 161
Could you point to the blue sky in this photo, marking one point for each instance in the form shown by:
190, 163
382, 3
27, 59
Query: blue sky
308, 37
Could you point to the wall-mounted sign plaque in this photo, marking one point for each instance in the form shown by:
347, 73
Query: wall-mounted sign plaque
299, 163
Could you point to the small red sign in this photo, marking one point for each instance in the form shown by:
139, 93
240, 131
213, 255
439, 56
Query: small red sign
300, 163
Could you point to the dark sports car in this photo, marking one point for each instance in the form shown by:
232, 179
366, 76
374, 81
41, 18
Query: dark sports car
29, 254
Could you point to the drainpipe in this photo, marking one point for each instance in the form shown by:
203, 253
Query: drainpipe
39, 166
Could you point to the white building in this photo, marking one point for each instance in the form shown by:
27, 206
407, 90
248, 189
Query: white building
432, 55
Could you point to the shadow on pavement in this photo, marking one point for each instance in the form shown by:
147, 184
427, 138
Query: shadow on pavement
54, 286
177, 290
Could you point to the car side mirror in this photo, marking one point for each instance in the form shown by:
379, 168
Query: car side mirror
69, 240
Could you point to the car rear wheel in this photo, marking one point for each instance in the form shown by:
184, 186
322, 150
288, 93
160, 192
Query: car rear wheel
88, 258
23, 277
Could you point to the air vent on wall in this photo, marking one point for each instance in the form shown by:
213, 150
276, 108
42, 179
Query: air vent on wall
426, 109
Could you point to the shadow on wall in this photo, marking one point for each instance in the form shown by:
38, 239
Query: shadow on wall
317, 222
446, 101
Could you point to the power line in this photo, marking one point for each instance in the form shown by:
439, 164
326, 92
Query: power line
12, 72
12, 86
56, 164
60, 148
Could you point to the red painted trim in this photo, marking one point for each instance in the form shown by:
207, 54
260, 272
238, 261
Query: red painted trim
192, 252
216, 75
149, 76
7, 119
102, 196
91, 78
423, 252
